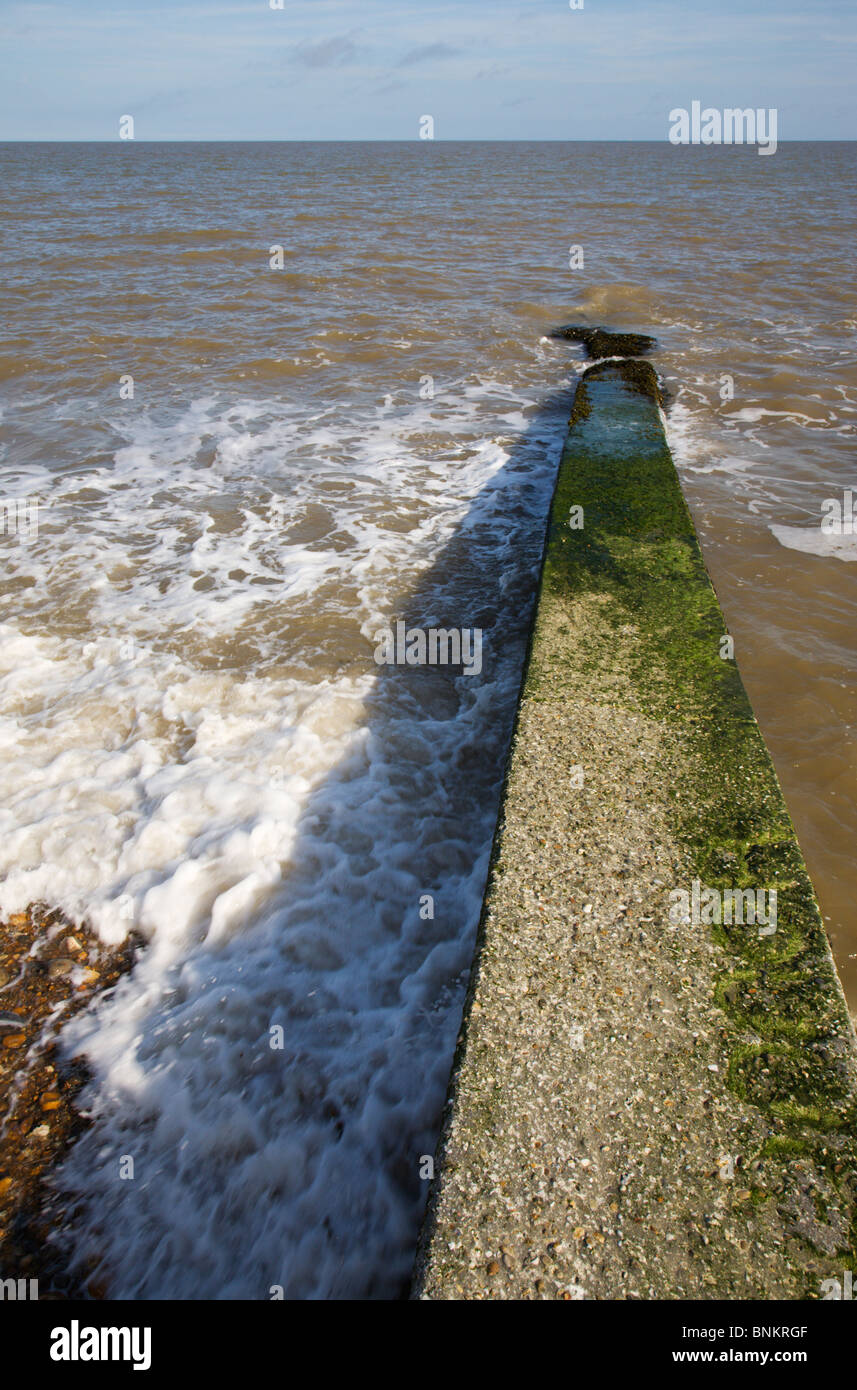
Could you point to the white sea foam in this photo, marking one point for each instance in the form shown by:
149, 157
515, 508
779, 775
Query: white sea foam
814, 541
689, 444
209, 754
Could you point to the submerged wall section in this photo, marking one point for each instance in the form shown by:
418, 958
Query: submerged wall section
653, 1095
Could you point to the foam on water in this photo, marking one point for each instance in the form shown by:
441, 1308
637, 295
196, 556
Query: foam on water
271, 821
814, 541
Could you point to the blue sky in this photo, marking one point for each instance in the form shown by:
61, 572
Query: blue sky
368, 69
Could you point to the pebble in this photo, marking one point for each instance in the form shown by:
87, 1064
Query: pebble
50, 1100
5, 977
14, 1040
19, 919
60, 966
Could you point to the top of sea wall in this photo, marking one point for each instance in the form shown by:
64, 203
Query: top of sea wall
641, 1107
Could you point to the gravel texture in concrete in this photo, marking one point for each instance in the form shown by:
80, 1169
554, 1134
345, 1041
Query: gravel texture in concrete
645, 1102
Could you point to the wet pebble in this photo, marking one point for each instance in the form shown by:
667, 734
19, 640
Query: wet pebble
60, 966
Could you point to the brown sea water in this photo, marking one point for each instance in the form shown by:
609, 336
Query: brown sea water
196, 739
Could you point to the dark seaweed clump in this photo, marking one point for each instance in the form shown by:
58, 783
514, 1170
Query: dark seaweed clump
599, 342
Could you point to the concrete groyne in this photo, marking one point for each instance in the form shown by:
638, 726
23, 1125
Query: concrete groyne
653, 1096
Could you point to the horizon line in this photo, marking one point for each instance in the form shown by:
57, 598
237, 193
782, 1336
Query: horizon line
414, 140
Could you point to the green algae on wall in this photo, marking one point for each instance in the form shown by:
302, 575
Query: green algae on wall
639, 547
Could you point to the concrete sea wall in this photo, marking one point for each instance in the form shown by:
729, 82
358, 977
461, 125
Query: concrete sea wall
653, 1096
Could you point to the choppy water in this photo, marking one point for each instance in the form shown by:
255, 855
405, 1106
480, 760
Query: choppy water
195, 737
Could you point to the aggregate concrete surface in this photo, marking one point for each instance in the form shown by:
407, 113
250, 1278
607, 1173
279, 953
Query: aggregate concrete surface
640, 1107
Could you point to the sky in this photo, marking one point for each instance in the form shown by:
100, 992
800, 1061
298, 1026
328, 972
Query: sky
370, 69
